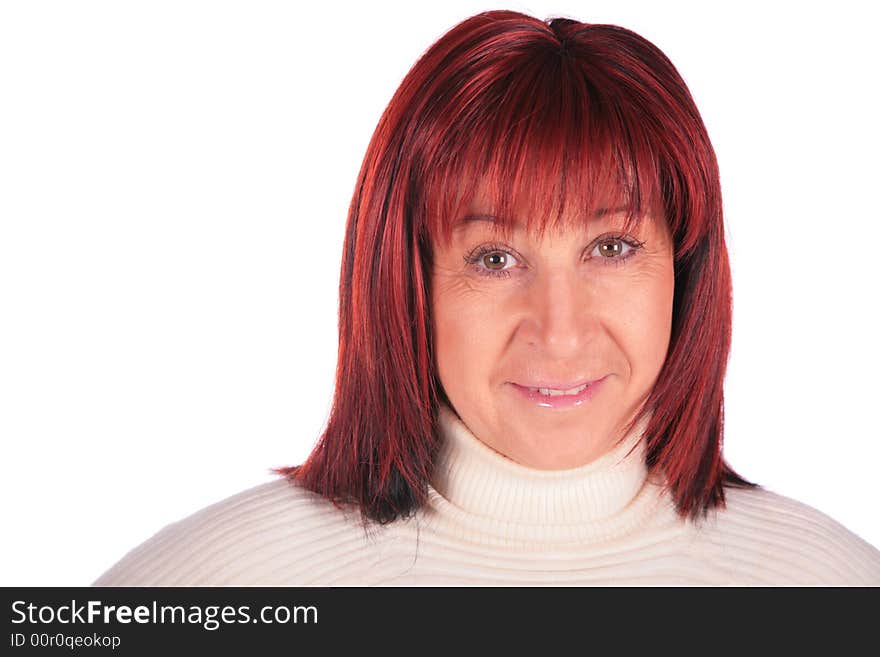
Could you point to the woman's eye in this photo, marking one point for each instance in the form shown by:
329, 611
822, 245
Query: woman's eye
612, 247
497, 260
491, 260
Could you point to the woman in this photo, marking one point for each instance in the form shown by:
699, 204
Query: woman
535, 321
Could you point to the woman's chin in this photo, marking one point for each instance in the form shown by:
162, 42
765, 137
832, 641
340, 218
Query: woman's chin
556, 450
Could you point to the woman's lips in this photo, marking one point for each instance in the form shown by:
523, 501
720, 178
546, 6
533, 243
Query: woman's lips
531, 395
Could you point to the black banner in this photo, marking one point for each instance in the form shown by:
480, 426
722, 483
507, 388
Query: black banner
240, 620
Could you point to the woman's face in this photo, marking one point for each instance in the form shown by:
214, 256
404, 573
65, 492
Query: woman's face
583, 305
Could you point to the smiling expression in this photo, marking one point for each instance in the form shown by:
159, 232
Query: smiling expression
589, 303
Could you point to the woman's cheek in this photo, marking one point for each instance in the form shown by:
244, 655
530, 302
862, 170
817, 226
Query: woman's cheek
649, 319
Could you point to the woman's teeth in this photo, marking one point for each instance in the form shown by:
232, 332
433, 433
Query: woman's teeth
551, 392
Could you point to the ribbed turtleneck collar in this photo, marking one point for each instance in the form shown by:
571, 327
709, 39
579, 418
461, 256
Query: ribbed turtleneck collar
478, 492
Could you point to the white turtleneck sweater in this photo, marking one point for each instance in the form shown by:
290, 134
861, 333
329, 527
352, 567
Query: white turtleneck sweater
490, 521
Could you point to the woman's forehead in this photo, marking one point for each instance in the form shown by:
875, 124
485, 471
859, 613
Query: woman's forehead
477, 206
593, 194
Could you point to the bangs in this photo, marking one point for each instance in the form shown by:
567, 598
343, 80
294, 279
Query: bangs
540, 145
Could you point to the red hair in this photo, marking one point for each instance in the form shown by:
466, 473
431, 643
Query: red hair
545, 115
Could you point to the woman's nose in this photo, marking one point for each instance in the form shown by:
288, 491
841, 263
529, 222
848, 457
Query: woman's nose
562, 314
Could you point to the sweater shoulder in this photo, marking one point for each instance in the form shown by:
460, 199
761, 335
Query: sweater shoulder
277, 533
763, 538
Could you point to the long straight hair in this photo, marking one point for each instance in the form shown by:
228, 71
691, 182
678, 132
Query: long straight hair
545, 114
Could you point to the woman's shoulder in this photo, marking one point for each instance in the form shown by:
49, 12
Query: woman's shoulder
274, 534
767, 538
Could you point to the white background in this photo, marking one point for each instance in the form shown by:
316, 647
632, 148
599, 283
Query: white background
174, 182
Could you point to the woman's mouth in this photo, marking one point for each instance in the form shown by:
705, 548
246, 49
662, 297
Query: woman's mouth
553, 392
559, 398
